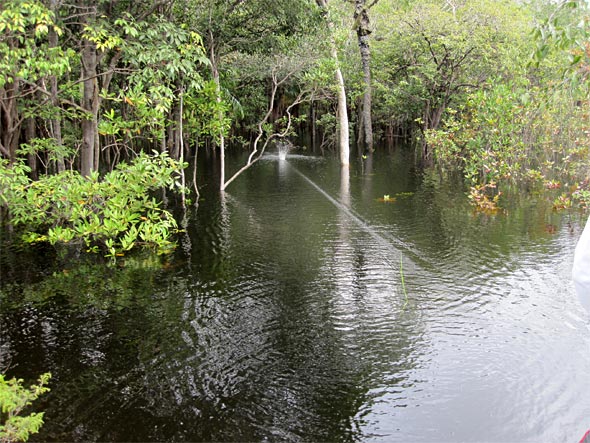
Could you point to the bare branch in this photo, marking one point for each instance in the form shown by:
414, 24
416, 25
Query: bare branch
256, 154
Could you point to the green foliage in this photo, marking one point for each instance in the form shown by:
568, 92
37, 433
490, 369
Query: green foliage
436, 55
47, 146
581, 195
165, 54
564, 30
528, 130
164, 60
490, 135
514, 134
203, 111
24, 53
114, 214
455, 70
14, 398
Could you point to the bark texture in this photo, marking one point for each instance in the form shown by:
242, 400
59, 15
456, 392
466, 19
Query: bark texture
363, 30
90, 103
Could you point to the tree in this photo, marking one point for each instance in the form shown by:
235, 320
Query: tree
439, 52
111, 215
343, 140
125, 78
233, 32
282, 70
25, 58
363, 30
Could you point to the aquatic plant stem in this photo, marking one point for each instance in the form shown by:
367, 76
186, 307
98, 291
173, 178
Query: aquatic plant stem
401, 271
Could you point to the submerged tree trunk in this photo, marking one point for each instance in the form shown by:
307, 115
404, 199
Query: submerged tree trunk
431, 120
313, 125
342, 117
344, 142
222, 183
363, 30
257, 152
221, 141
181, 148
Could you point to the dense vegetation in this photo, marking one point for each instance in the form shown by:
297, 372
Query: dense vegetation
494, 89
103, 104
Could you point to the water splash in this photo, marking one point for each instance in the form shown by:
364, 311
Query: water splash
283, 148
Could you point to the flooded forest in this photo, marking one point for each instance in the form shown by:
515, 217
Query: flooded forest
293, 220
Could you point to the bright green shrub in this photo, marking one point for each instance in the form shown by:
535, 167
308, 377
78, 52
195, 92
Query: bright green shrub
114, 214
13, 399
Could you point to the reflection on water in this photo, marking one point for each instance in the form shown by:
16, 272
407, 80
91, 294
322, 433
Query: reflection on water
281, 317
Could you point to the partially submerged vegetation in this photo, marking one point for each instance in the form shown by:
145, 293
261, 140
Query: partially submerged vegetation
112, 214
493, 89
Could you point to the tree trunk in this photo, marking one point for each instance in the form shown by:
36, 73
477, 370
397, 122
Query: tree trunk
215, 73
30, 133
56, 121
361, 131
181, 148
89, 104
343, 139
363, 30
10, 121
342, 117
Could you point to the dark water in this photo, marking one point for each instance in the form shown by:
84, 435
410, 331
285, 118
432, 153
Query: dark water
284, 316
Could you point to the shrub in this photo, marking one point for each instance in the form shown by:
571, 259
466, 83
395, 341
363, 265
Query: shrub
114, 214
14, 398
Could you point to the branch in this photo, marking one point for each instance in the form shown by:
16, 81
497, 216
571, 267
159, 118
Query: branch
234, 5
456, 65
48, 94
251, 158
108, 75
4, 151
430, 48
83, 79
150, 11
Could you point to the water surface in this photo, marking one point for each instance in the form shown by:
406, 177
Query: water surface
283, 316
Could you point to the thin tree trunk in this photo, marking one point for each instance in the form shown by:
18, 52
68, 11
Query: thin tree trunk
89, 95
363, 30
56, 121
215, 74
344, 142
30, 133
96, 139
313, 125
181, 148
10, 121
361, 131
195, 185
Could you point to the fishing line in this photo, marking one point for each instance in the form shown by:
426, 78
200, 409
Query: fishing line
354, 216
